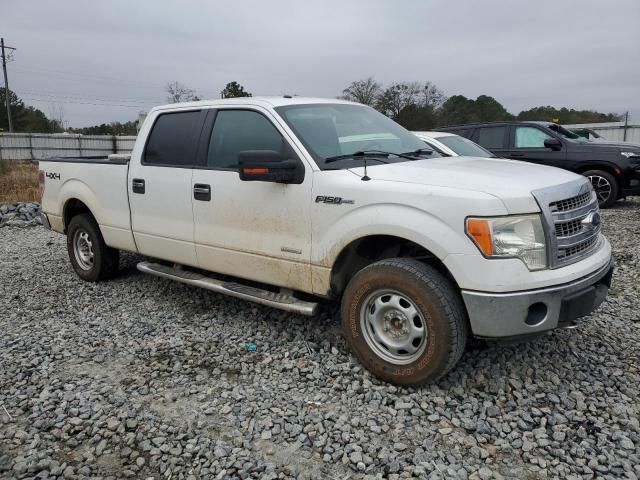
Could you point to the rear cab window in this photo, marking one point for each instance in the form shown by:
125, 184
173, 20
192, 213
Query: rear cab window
173, 139
491, 137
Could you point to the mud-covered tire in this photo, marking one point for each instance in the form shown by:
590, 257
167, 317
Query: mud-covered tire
90, 257
425, 291
605, 185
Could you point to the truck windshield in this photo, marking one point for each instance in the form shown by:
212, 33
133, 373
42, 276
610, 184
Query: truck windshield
332, 130
567, 134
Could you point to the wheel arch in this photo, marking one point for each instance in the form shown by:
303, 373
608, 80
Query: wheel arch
371, 248
73, 207
606, 167
612, 170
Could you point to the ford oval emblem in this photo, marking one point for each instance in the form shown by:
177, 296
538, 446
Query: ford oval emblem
592, 220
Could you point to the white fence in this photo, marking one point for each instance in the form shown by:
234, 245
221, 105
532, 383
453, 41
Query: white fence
612, 131
38, 146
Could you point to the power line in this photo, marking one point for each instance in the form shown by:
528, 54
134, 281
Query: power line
6, 82
49, 100
76, 97
124, 81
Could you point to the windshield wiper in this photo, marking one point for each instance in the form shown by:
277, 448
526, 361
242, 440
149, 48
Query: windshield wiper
367, 154
420, 151
358, 155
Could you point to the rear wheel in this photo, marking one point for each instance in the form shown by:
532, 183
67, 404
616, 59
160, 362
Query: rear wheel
90, 257
404, 321
605, 185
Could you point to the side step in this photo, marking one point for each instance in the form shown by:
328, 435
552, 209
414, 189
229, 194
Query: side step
282, 301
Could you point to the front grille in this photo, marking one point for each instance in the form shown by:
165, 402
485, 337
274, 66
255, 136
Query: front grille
570, 203
585, 246
566, 229
574, 238
571, 214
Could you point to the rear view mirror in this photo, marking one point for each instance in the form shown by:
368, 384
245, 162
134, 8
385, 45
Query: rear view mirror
269, 166
553, 143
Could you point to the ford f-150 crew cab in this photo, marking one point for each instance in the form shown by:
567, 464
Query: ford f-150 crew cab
289, 201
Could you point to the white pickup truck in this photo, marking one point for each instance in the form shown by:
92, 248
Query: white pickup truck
291, 201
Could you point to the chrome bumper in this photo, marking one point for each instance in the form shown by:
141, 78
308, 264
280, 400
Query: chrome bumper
532, 311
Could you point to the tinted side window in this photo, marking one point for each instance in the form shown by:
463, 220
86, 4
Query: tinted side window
491, 137
464, 132
172, 139
530, 137
237, 130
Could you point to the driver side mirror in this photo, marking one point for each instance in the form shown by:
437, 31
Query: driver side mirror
269, 166
553, 144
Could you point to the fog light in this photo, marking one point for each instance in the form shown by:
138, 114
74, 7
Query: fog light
536, 315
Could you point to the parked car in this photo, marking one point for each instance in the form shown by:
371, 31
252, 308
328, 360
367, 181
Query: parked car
291, 201
452, 145
612, 168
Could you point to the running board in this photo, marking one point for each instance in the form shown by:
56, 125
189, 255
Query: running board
282, 301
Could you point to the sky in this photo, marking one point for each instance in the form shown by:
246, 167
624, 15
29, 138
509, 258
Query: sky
103, 61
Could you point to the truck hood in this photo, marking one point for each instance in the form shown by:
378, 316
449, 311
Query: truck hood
604, 146
509, 180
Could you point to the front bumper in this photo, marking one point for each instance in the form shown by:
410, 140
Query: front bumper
633, 188
494, 315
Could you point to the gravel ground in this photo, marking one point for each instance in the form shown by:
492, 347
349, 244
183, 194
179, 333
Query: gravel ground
145, 378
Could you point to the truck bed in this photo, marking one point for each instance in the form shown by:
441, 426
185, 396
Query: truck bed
100, 183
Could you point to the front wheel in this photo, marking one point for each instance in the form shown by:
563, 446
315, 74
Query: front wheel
605, 186
90, 257
404, 321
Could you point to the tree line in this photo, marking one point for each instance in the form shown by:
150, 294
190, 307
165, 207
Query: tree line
414, 105
422, 106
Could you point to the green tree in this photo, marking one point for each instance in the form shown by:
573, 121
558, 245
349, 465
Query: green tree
457, 109
25, 118
416, 117
113, 128
460, 109
565, 115
234, 89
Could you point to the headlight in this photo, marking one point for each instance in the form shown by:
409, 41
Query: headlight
516, 236
630, 154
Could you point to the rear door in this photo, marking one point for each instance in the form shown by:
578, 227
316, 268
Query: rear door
160, 188
494, 138
527, 143
259, 231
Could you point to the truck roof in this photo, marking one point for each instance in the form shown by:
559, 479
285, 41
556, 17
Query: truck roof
498, 122
274, 101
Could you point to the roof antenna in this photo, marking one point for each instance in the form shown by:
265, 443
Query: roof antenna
366, 177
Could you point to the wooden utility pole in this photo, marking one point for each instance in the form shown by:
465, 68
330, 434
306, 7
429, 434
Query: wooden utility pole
3, 47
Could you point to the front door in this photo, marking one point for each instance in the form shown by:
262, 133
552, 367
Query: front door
527, 143
160, 188
259, 231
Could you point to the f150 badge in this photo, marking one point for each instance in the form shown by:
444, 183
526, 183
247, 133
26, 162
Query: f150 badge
333, 200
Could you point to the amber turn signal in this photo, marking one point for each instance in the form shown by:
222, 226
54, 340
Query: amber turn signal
479, 230
255, 171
